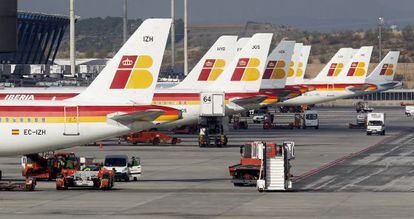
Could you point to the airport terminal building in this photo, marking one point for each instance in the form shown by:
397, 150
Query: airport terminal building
38, 38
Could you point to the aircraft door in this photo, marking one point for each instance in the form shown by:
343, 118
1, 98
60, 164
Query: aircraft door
71, 120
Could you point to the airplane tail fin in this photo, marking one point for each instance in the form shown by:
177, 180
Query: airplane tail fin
334, 66
241, 43
277, 66
245, 72
385, 70
356, 70
302, 64
212, 65
294, 64
132, 73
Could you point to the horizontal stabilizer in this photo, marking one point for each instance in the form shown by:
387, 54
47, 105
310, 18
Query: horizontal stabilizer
358, 89
391, 85
244, 101
143, 116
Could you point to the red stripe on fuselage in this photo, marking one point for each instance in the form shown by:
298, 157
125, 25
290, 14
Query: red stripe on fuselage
53, 111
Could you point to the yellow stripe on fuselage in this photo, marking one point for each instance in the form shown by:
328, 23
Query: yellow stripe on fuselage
176, 102
82, 119
270, 100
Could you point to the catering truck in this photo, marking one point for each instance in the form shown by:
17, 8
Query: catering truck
376, 123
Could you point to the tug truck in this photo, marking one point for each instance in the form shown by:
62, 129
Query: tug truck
91, 175
246, 173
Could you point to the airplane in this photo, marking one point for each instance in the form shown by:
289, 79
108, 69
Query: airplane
276, 73
382, 77
287, 88
219, 70
342, 77
239, 81
117, 102
302, 63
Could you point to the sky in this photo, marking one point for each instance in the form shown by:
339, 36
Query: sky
319, 15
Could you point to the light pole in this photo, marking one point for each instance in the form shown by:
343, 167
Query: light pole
72, 52
173, 35
125, 23
185, 40
380, 23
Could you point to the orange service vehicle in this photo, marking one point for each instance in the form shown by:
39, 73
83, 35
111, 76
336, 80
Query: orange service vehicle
246, 173
88, 175
48, 166
151, 137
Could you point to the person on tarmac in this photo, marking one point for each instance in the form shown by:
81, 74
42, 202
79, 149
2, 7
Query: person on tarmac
61, 163
69, 164
134, 162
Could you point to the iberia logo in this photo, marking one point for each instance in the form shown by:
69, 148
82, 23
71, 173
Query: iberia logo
246, 70
133, 73
275, 70
212, 68
299, 72
291, 71
335, 69
357, 69
387, 69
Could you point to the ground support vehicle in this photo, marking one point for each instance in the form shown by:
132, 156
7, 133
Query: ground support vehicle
92, 175
361, 122
211, 132
28, 185
186, 129
294, 109
123, 168
258, 118
310, 119
247, 172
363, 107
409, 111
48, 165
282, 121
239, 122
275, 174
151, 137
212, 120
376, 123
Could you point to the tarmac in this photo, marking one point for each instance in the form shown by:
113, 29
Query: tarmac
339, 172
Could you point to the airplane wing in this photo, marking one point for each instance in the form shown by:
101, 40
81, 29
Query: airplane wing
244, 101
144, 116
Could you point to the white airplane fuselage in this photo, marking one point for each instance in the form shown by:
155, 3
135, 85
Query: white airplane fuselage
38, 126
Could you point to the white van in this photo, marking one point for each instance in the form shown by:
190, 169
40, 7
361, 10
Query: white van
409, 110
124, 170
376, 123
310, 119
